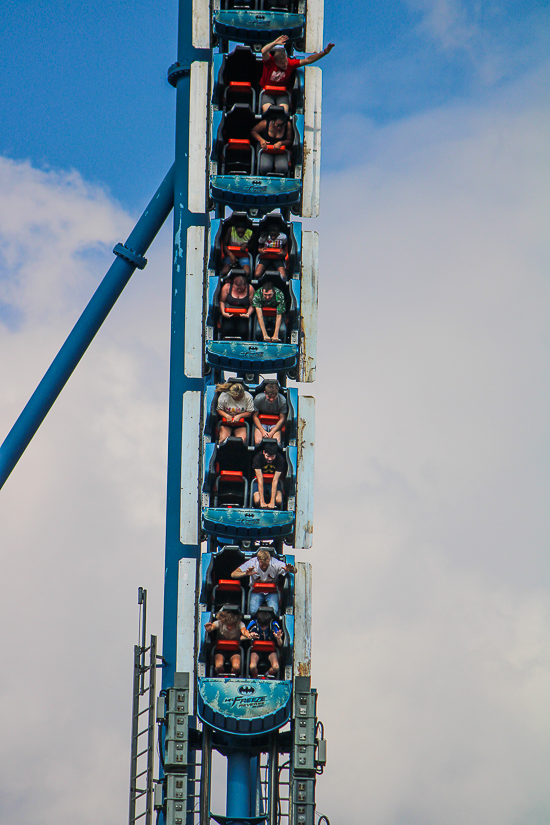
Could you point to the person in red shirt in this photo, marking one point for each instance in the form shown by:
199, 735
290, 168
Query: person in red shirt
278, 70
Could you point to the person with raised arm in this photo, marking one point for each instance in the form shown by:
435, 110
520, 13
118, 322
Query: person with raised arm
278, 71
261, 569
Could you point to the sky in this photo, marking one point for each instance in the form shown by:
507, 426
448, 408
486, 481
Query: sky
430, 560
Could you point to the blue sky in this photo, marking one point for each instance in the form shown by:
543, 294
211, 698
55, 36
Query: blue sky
431, 526
84, 85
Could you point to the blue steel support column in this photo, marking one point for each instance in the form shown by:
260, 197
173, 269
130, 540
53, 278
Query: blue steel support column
179, 382
87, 326
238, 786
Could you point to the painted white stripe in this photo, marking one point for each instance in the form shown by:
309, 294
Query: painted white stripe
197, 136
311, 184
302, 620
309, 299
194, 292
314, 25
201, 24
189, 505
185, 628
306, 468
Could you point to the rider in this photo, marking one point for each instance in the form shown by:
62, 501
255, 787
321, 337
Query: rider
269, 402
228, 625
265, 628
261, 569
269, 296
278, 70
268, 460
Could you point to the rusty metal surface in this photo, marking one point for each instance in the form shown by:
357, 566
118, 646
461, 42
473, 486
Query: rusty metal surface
314, 25
306, 461
302, 620
308, 309
311, 184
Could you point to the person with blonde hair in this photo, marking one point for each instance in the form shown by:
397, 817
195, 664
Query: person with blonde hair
235, 405
262, 569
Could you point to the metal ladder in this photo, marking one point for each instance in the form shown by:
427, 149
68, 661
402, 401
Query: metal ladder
194, 791
284, 807
143, 712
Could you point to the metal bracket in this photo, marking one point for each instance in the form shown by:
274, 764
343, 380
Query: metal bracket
178, 70
130, 255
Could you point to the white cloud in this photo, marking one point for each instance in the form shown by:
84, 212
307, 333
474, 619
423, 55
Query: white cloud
498, 39
454, 23
429, 497
431, 617
83, 512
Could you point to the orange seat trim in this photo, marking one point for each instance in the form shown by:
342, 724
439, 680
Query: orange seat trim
228, 644
260, 646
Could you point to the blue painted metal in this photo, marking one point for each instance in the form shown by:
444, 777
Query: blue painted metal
251, 356
258, 26
238, 786
179, 382
239, 523
244, 707
129, 256
242, 191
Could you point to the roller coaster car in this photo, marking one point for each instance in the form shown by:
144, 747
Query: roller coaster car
293, 232
263, 5
225, 513
235, 150
246, 25
237, 80
233, 181
264, 357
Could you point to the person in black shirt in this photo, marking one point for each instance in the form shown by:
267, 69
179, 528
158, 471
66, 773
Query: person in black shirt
271, 462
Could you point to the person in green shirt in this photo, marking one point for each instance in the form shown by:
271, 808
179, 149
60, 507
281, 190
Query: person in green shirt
269, 296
